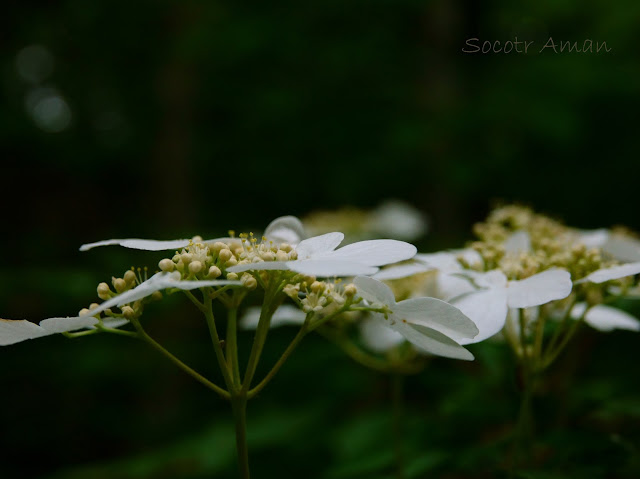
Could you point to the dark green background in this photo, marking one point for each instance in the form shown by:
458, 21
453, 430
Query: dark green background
196, 117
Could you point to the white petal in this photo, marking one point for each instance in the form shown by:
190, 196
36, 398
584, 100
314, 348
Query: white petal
449, 286
15, 331
114, 322
615, 272
63, 325
605, 318
377, 336
134, 243
431, 340
374, 291
402, 271
157, 282
438, 315
487, 309
397, 219
622, 248
285, 315
327, 268
518, 242
317, 245
539, 289
286, 229
375, 252
260, 266
444, 261
593, 238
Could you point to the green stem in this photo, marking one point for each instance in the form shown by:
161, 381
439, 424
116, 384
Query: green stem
285, 355
142, 334
397, 396
232, 346
217, 347
239, 406
268, 308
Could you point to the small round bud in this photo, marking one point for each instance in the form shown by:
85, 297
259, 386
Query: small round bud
217, 246
128, 312
130, 278
156, 296
104, 292
293, 255
232, 276
268, 256
317, 287
214, 272
291, 290
93, 306
249, 281
350, 290
120, 285
225, 255
186, 258
231, 262
282, 256
197, 239
286, 247
195, 267
180, 266
166, 265
84, 312
176, 258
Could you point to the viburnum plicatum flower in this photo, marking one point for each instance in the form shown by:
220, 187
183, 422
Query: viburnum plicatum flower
428, 323
446, 267
286, 229
158, 282
612, 273
621, 247
15, 331
605, 318
318, 256
489, 304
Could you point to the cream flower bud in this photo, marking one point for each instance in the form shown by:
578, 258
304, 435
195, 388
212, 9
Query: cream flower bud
231, 262
119, 284
156, 296
317, 287
176, 258
293, 255
104, 292
195, 267
128, 312
232, 276
282, 256
268, 256
93, 306
217, 246
197, 239
180, 266
186, 258
350, 290
286, 247
225, 255
249, 281
83, 312
167, 265
130, 278
291, 290
214, 272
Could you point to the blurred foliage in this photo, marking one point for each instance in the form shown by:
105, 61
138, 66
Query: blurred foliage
195, 117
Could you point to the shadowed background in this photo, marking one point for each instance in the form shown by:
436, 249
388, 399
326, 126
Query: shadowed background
167, 119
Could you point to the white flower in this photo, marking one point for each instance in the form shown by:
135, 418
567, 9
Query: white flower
157, 282
378, 337
15, 331
428, 323
285, 229
318, 256
605, 318
397, 219
286, 314
621, 247
488, 306
448, 284
614, 272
